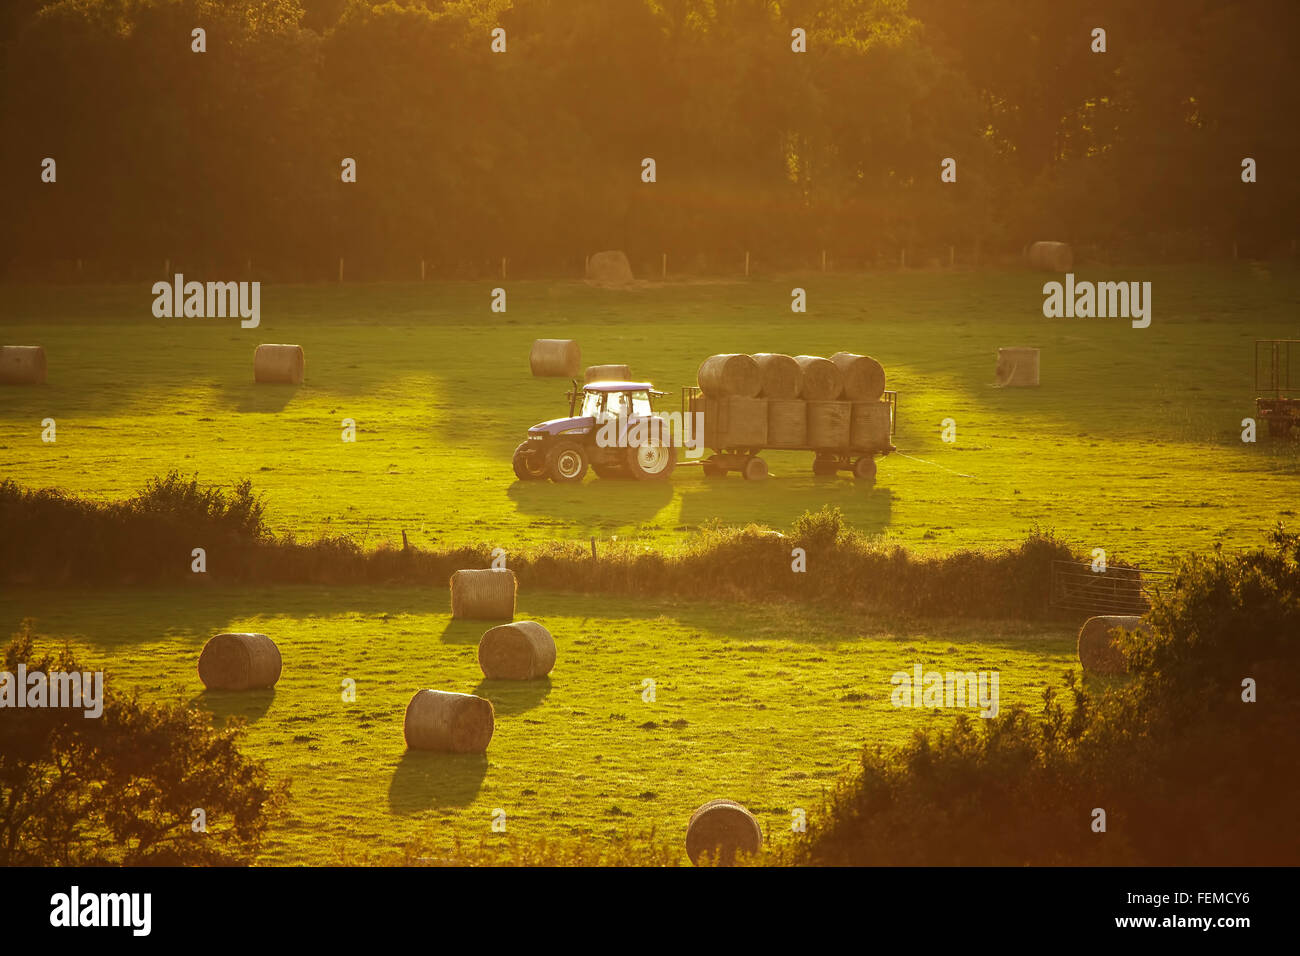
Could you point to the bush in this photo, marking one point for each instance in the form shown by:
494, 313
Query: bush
120, 788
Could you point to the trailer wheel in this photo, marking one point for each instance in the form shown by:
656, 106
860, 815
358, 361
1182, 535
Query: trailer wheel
651, 462
755, 469
1279, 427
566, 462
528, 465
864, 469
712, 469
824, 465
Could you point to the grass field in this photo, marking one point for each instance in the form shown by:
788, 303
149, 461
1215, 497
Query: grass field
767, 705
1132, 443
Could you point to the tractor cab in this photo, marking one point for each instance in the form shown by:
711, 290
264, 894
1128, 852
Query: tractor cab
562, 448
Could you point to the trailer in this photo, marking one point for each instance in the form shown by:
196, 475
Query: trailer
1273, 374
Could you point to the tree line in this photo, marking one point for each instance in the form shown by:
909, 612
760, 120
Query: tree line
465, 154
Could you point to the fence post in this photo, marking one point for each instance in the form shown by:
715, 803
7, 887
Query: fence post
664, 266
747, 263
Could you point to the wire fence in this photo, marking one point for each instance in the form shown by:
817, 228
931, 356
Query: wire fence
1116, 590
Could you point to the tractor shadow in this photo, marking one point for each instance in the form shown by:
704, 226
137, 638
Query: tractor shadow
513, 696
595, 503
424, 781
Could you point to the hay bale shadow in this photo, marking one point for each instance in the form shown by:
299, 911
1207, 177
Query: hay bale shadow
423, 781
467, 630
261, 398
513, 696
252, 705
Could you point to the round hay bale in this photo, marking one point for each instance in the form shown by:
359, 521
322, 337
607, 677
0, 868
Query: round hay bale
555, 358
609, 268
864, 377
787, 423
829, 425
722, 828
1097, 650
1051, 257
22, 365
278, 364
523, 650
239, 662
822, 381
447, 722
608, 373
781, 375
1017, 367
484, 594
869, 425
730, 374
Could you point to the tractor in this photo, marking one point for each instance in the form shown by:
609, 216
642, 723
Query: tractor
562, 449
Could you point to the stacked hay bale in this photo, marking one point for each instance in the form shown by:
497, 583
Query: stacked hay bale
608, 373
486, 594
278, 365
1051, 257
239, 662
1098, 652
734, 415
721, 829
555, 358
447, 722
22, 365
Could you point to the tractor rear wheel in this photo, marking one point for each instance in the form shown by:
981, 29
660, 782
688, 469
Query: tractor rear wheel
566, 462
651, 462
528, 465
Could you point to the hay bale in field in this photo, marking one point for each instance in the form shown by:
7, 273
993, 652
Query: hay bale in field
278, 364
830, 425
787, 423
864, 377
608, 373
22, 365
523, 650
1017, 367
609, 268
555, 358
239, 662
822, 381
869, 425
1051, 257
735, 422
1097, 650
722, 828
484, 594
730, 374
782, 375
447, 722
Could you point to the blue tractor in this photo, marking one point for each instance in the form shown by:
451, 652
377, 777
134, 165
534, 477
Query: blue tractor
600, 432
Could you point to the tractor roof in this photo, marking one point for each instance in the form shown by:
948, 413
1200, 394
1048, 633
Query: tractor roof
618, 387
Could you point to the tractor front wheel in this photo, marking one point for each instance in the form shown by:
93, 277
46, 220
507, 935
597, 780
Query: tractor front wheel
566, 462
528, 465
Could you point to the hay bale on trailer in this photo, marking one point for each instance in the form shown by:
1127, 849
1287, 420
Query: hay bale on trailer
555, 358
1017, 368
485, 594
722, 828
1098, 652
278, 365
864, 377
609, 268
447, 722
734, 422
869, 425
22, 365
608, 373
239, 662
787, 423
523, 650
1051, 257
730, 374
781, 375
830, 425
822, 381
